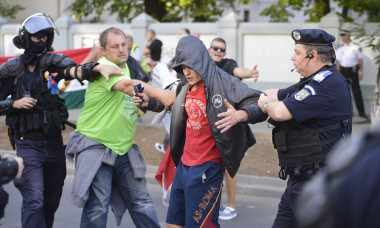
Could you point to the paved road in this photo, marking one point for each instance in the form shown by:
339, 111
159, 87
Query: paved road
253, 211
257, 197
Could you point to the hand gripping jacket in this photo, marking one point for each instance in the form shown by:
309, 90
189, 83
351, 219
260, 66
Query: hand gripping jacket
45, 119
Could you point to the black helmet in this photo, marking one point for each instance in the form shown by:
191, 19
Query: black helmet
35, 23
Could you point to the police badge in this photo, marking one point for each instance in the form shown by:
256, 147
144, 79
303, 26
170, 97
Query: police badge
296, 35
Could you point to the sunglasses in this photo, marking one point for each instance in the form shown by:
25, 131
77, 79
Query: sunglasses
216, 48
342, 34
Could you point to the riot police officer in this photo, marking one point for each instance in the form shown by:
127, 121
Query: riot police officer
35, 115
309, 117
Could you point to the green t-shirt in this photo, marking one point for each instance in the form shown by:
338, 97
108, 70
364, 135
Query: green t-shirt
109, 116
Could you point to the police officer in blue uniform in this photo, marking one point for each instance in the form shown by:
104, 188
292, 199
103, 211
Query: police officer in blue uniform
309, 117
35, 115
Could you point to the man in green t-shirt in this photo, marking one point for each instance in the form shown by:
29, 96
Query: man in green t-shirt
103, 142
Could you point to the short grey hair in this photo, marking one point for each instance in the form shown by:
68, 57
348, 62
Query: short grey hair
325, 53
104, 35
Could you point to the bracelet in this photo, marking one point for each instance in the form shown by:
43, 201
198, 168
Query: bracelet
265, 107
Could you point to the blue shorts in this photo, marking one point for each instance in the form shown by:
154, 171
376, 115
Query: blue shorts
195, 195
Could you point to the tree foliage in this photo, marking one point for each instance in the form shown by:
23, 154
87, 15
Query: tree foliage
7, 10
316, 9
371, 41
160, 10
369, 7
282, 11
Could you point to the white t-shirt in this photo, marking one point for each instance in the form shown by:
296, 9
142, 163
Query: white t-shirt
349, 55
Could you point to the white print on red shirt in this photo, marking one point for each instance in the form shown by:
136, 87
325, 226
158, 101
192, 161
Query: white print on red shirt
196, 111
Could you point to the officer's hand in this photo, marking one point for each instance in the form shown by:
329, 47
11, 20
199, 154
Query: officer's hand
230, 117
262, 100
255, 73
107, 70
142, 97
24, 103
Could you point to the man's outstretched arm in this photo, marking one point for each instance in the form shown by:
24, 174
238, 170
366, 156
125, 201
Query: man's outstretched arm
166, 97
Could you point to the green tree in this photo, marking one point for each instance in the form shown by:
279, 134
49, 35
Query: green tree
7, 10
160, 10
281, 11
316, 9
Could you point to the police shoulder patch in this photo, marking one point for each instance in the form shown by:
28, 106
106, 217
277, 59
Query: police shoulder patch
321, 75
302, 94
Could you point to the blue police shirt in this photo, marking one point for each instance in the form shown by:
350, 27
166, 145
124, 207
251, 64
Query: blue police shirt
325, 100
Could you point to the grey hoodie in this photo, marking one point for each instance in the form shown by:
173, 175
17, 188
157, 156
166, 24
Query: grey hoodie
219, 85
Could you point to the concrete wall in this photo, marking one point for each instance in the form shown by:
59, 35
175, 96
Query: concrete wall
268, 45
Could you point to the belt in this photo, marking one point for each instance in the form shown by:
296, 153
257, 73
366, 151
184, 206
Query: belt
34, 135
353, 68
304, 176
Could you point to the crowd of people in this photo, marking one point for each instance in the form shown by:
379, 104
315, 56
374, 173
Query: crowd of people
209, 129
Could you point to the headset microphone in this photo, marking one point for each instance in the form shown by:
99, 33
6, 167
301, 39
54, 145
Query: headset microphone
308, 56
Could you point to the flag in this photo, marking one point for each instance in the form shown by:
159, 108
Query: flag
165, 173
75, 54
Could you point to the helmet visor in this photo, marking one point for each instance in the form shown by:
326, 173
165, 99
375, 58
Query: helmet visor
38, 22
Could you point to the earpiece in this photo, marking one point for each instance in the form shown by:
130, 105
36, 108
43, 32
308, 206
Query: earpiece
309, 55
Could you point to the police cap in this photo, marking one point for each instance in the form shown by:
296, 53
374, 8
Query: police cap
344, 32
312, 37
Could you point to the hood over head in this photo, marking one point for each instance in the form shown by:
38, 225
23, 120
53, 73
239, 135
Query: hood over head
192, 53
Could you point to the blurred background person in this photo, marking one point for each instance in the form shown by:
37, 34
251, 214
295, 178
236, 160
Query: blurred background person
152, 48
349, 58
136, 52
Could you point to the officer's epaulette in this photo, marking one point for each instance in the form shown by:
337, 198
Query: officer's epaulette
321, 75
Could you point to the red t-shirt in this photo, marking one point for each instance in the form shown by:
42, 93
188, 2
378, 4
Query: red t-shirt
199, 146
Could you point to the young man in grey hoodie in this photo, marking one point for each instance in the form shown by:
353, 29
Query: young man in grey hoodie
199, 148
